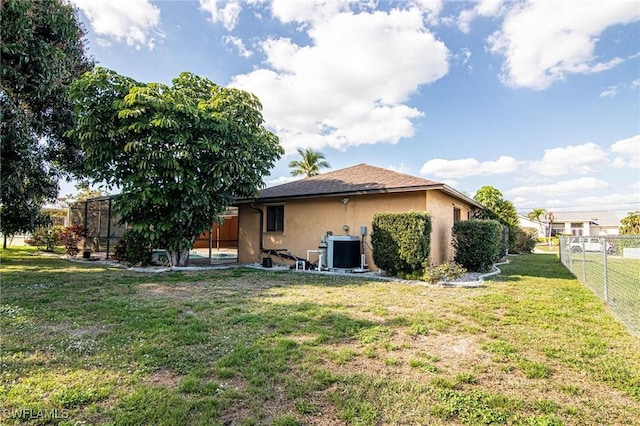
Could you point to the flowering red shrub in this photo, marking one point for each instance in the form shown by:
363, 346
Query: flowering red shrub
70, 237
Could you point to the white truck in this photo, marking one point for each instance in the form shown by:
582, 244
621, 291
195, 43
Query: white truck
593, 244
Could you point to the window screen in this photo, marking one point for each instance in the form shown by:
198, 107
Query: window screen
456, 215
275, 218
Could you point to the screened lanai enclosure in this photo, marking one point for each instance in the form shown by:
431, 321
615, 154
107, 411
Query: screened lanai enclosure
103, 232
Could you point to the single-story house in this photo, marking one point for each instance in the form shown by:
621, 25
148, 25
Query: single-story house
585, 223
295, 217
542, 227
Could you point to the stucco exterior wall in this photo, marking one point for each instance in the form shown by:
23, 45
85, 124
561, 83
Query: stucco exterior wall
441, 205
305, 221
248, 234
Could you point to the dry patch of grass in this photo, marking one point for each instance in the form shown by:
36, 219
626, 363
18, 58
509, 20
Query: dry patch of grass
242, 346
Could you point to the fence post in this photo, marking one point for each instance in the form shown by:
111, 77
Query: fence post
584, 263
567, 247
108, 230
603, 244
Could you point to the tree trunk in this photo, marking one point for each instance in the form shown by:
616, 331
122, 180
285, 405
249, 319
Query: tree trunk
178, 257
4, 244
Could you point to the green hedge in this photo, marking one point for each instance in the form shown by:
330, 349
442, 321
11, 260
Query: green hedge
401, 241
478, 243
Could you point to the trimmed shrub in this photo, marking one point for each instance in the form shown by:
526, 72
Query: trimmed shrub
133, 249
478, 243
45, 239
526, 241
401, 241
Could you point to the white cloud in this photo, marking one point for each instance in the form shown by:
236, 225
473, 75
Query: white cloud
464, 58
555, 202
468, 167
619, 162
486, 8
610, 92
225, 12
307, 11
238, 44
571, 159
402, 168
635, 83
544, 41
314, 11
282, 180
628, 148
349, 85
430, 8
609, 200
519, 201
571, 186
131, 21
453, 184
466, 52
103, 42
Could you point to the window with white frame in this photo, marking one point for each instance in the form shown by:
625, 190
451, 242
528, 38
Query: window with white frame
577, 228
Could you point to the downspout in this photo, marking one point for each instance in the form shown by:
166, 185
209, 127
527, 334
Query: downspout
261, 225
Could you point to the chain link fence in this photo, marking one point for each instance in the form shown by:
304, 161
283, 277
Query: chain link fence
610, 267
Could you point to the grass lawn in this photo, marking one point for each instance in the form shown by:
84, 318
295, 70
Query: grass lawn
86, 344
623, 283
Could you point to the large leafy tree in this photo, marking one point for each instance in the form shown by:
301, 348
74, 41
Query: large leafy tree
309, 164
179, 153
42, 50
497, 206
25, 183
630, 224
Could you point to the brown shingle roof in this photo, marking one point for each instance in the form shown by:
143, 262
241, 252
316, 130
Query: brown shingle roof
359, 179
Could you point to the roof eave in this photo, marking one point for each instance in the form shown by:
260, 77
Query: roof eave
455, 193
445, 188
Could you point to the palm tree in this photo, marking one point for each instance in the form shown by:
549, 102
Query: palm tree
630, 224
535, 215
310, 164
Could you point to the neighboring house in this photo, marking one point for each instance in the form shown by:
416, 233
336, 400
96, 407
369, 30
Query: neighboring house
586, 223
542, 227
295, 216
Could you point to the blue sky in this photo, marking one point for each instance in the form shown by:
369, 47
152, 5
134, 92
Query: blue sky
540, 99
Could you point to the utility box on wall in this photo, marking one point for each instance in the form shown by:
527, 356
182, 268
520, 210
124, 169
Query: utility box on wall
343, 252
